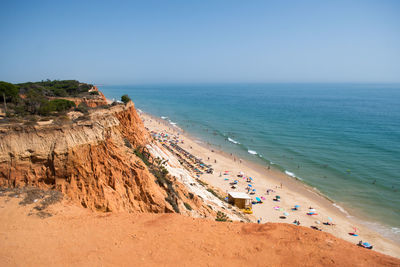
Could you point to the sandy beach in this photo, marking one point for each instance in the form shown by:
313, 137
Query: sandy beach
227, 167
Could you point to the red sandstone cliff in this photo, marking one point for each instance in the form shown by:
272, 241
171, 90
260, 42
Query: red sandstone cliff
91, 161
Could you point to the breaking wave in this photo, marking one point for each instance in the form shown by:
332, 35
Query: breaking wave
233, 141
252, 152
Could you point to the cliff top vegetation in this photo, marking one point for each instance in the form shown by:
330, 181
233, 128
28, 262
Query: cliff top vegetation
40, 98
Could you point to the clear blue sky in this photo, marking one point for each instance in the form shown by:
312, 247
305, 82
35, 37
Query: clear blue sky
127, 42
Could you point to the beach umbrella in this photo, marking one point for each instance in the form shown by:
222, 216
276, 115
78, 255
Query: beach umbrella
297, 206
278, 197
317, 222
254, 190
286, 213
312, 210
263, 198
249, 185
251, 178
258, 199
276, 208
329, 218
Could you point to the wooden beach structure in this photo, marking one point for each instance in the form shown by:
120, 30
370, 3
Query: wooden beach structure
239, 199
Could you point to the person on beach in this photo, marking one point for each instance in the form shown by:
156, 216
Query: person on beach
281, 186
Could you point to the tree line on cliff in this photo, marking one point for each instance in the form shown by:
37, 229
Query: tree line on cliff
33, 98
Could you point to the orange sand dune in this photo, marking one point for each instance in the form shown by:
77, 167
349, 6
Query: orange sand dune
74, 236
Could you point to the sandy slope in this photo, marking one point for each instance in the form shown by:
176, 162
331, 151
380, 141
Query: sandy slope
292, 193
77, 237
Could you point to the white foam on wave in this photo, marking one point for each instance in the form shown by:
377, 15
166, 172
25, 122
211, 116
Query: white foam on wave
233, 141
164, 118
140, 111
290, 174
396, 230
252, 152
340, 208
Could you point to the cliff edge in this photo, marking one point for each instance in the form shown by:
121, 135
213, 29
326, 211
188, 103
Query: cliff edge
87, 159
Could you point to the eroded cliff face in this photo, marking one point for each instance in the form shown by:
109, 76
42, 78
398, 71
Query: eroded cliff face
88, 160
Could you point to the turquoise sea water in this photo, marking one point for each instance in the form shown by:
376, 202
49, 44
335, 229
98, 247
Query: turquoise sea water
343, 139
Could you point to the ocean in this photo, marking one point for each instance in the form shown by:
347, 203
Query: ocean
342, 139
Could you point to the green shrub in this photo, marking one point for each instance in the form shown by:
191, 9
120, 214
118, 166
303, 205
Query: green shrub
125, 99
56, 87
82, 107
127, 143
59, 92
140, 153
188, 207
58, 105
8, 90
161, 174
215, 194
221, 217
201, 182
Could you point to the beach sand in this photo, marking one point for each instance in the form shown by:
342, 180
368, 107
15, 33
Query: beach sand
292, 193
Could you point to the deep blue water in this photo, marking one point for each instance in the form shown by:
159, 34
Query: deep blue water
343, 139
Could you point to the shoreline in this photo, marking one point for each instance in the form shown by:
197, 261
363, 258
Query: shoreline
293, 188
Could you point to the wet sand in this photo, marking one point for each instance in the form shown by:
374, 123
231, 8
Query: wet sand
292, 193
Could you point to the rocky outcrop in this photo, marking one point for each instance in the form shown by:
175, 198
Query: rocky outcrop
88, 160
